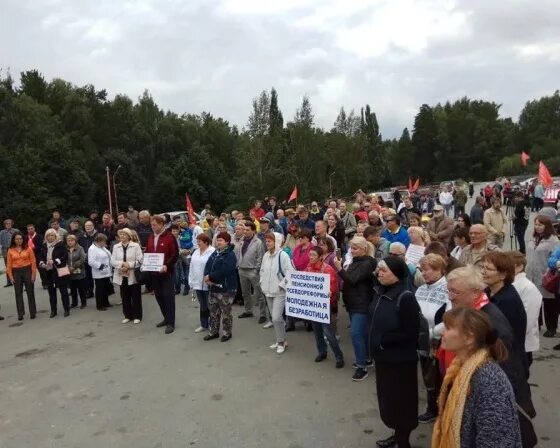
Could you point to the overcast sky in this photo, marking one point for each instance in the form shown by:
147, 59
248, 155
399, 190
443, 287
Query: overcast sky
215, 56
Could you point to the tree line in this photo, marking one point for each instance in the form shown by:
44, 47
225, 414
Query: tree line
56, 139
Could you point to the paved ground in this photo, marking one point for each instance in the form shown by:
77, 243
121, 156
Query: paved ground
89, 381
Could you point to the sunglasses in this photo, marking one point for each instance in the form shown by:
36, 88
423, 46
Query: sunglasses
396, 255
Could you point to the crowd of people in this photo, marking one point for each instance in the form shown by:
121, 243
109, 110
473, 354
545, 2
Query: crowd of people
422, 281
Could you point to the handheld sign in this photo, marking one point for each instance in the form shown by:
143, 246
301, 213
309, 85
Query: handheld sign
308, 296
152, 262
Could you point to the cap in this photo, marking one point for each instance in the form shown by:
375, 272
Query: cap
264, 219
438, 208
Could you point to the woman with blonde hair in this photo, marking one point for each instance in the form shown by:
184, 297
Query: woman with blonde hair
418, 236
53, 260
357, 294
76, 266
476, 404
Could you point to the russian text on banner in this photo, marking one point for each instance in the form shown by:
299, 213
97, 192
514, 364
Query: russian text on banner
308, 296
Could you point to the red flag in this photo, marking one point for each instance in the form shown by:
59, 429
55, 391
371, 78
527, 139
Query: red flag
190, 209
293, 195
524, 158
409, 184
416, 185
544, 175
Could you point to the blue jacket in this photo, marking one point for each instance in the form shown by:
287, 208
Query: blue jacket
220, 268
554, 258
401, 236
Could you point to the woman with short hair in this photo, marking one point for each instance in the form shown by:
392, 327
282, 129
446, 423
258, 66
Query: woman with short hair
461, 239
126, 257
99, 258
76, 266
21, 269
54, 260
199, 259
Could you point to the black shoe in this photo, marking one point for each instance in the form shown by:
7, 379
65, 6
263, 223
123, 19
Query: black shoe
320, 358
340, 364
290, 328
1, 317
66, 313
186, 291
109, 305
30, 317
262, 320
20, 318
556, 347
368, 364
169, 329
74, 305
389, 442
308, 327
161, 324
83, 305
7, 285
101, 308
209, 337
427, 417
245, 314
360, 375
225, 338
53, 314
549, 334
177, 291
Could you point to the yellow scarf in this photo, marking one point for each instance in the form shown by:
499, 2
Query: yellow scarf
452, 399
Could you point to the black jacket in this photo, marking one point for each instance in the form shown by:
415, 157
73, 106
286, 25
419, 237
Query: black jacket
338, 234
508, 301
86, 240
394, 324
220, 268
60, 260
357, 291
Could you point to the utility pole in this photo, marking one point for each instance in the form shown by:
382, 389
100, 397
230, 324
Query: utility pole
115, 191
109, 190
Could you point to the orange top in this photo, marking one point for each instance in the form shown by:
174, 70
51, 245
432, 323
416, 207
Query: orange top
20, 259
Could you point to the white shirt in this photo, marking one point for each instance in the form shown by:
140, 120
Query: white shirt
532, 300
196, 269
445, 198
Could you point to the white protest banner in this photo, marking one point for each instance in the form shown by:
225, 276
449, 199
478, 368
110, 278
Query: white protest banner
308, 296
152, 262
414, 253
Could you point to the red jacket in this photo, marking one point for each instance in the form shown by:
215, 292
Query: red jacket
361, 216
326, 269
167, 245
258, 212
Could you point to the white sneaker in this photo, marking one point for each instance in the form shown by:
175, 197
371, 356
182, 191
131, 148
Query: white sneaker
137, 321
281, 349
274, 346
200, 330
125, 321
268, 325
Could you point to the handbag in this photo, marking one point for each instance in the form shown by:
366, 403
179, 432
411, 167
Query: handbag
140, 276
551, 281
63, 271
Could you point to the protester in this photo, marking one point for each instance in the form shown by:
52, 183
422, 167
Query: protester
5, 241
520, 220
126, 259
35, 242
74, 228
86, 240
108, 228
163, 242
54, 257
495, 221
394, 231
418, 236
539, 250
219, 275
335, 229
99, 258
440, 227
477, 404
321, 231
393, 338
77, 268
463, 220
461, 239
61, 231
446, 200
477, 211
356, 294
532, 301
21, 269
275, 267
199, 259
459, 201
473, 253
348, 222
132, 216
380, 244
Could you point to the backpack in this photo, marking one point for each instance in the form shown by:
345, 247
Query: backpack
424, 330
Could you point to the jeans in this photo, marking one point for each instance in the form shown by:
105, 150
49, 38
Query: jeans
322, 330
202, 297
276, 309
358, 323
520, 235
22, 276
181, 276
447, 209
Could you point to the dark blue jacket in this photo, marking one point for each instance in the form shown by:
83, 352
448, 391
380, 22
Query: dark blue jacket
220, 268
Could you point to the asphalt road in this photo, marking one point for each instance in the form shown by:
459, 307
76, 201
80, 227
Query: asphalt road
89, 381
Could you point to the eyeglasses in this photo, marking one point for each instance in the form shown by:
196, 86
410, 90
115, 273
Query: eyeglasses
396, 255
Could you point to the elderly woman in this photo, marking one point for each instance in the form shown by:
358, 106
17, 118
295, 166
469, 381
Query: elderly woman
433, 299
127, 256
76, 266
539, 250
394, 317
21, 269
356, 293
54, 258
418, 236
196, 278
99, 258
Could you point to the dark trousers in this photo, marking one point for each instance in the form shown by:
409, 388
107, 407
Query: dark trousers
520, 235
63, 296
539, 203
432, 389
131, 296
165, 296
551, 312
102, 287
77, 287
202, 297
321, 330
22, 276
458, 210
43, 276
88, 281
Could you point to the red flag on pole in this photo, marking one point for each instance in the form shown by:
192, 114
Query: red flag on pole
524, 158
416, 185
293, 195
190, 209
409, 184
544, 175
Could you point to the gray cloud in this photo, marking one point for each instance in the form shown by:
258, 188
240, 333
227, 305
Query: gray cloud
216, 56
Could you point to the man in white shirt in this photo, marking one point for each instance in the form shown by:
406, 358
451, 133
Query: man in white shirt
446, 200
